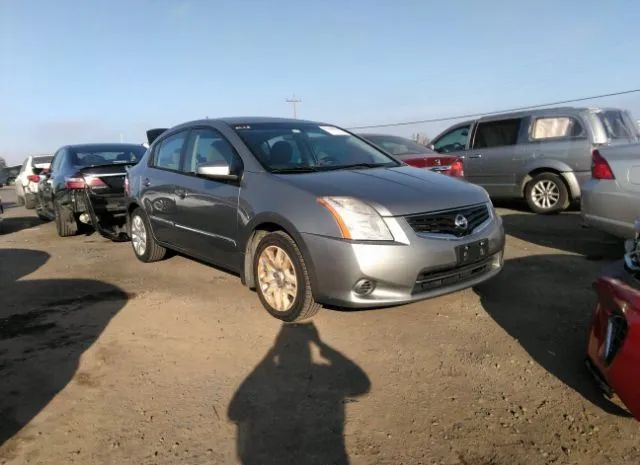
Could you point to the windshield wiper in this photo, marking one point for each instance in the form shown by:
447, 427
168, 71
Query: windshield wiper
354, 166
295, 169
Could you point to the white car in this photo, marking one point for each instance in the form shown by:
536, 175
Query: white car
27, 181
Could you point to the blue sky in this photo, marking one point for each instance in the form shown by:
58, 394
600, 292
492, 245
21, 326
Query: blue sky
77, 71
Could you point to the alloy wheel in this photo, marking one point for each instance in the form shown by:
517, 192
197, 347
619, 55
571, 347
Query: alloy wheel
545, 194
277, 278
138, 235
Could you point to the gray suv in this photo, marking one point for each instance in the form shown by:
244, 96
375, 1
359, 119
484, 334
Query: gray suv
309, 214
541, 155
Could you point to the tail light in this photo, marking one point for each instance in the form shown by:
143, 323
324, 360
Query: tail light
81, 183
34, 178
600, 168
457, 169
418, 162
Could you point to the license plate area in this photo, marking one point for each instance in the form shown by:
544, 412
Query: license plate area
472, 252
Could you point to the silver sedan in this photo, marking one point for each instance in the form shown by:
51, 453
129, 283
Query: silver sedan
611, 199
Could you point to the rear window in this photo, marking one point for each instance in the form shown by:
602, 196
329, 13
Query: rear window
616, 126
556, 127
42, 160
497, 133
84, 157
397, 145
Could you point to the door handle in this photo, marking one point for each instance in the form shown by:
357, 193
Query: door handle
479, 155
146, 182
181, 193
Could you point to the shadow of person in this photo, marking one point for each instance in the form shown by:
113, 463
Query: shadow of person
290, 409
563, 232
45, 326
546, 303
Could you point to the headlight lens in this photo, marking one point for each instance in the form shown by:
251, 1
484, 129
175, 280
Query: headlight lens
356, 219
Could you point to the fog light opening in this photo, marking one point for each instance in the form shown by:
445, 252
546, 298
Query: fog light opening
364, 287
85, 218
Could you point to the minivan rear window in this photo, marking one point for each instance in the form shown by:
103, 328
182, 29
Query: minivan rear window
497, 133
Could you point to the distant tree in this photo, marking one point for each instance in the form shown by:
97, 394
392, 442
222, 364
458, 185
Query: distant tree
3, 163
421, 138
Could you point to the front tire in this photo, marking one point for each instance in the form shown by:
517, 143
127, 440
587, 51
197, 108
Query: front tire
282, 280
145, 247
546, 194
66, 224
29, 202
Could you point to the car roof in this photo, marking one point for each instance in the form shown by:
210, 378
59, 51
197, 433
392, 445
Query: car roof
535, 112
241, 120
102, 145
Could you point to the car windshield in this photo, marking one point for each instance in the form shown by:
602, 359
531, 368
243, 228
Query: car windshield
396, 145
616, 125
87, 156
302, 147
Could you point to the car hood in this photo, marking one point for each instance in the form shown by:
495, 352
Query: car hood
394, 191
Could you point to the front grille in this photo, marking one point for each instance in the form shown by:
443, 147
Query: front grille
430, 280
444, 222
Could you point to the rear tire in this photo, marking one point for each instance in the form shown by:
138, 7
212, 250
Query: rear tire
144, 245
282, 280
66, 224
546, 194
29, 202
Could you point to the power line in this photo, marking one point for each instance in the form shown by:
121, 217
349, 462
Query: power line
472, 115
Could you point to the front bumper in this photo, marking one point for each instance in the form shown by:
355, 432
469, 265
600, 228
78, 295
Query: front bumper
399, 270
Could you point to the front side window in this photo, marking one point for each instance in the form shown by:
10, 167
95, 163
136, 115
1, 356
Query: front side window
207, 146
557, 127
282, 147
168, 154
497, 133
453, 141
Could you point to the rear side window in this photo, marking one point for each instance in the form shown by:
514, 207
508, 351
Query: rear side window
615, 125
168, 154
207, 146
497, 133
453, 141
557, 127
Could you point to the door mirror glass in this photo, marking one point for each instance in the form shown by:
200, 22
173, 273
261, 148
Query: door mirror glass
219, 171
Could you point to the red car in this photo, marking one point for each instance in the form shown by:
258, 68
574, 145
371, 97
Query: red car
614, 337
418, 155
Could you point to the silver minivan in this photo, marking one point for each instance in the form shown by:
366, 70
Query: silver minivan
543, 156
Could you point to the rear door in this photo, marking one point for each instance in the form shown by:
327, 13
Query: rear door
207, 210
491, 161
158, 184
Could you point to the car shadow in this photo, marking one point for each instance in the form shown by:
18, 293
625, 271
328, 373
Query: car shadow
291, 408
45, 327
15, 224
563, 232
545, 302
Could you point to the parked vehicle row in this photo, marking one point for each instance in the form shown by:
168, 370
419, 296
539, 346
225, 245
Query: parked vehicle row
543, 156
306, 213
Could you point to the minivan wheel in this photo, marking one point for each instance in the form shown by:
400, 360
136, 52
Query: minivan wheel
145, 247
282, 280
546, 193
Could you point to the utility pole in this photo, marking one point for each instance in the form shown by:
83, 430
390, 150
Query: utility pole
294, 102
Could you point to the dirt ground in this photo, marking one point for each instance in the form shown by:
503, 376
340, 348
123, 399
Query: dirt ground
106, 360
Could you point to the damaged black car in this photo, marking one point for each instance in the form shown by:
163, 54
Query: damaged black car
84, 188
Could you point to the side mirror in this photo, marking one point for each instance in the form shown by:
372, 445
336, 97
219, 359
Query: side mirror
217, 171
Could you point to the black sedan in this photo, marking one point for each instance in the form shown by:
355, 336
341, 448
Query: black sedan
85, 185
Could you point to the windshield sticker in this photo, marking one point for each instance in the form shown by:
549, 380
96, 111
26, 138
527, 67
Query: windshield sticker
242, 126
295, 131
334, 131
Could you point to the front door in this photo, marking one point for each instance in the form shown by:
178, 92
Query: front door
492, 159
207, 210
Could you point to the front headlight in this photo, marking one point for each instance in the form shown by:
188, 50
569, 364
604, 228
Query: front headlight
356, 219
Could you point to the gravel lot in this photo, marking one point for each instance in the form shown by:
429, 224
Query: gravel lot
106, 360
